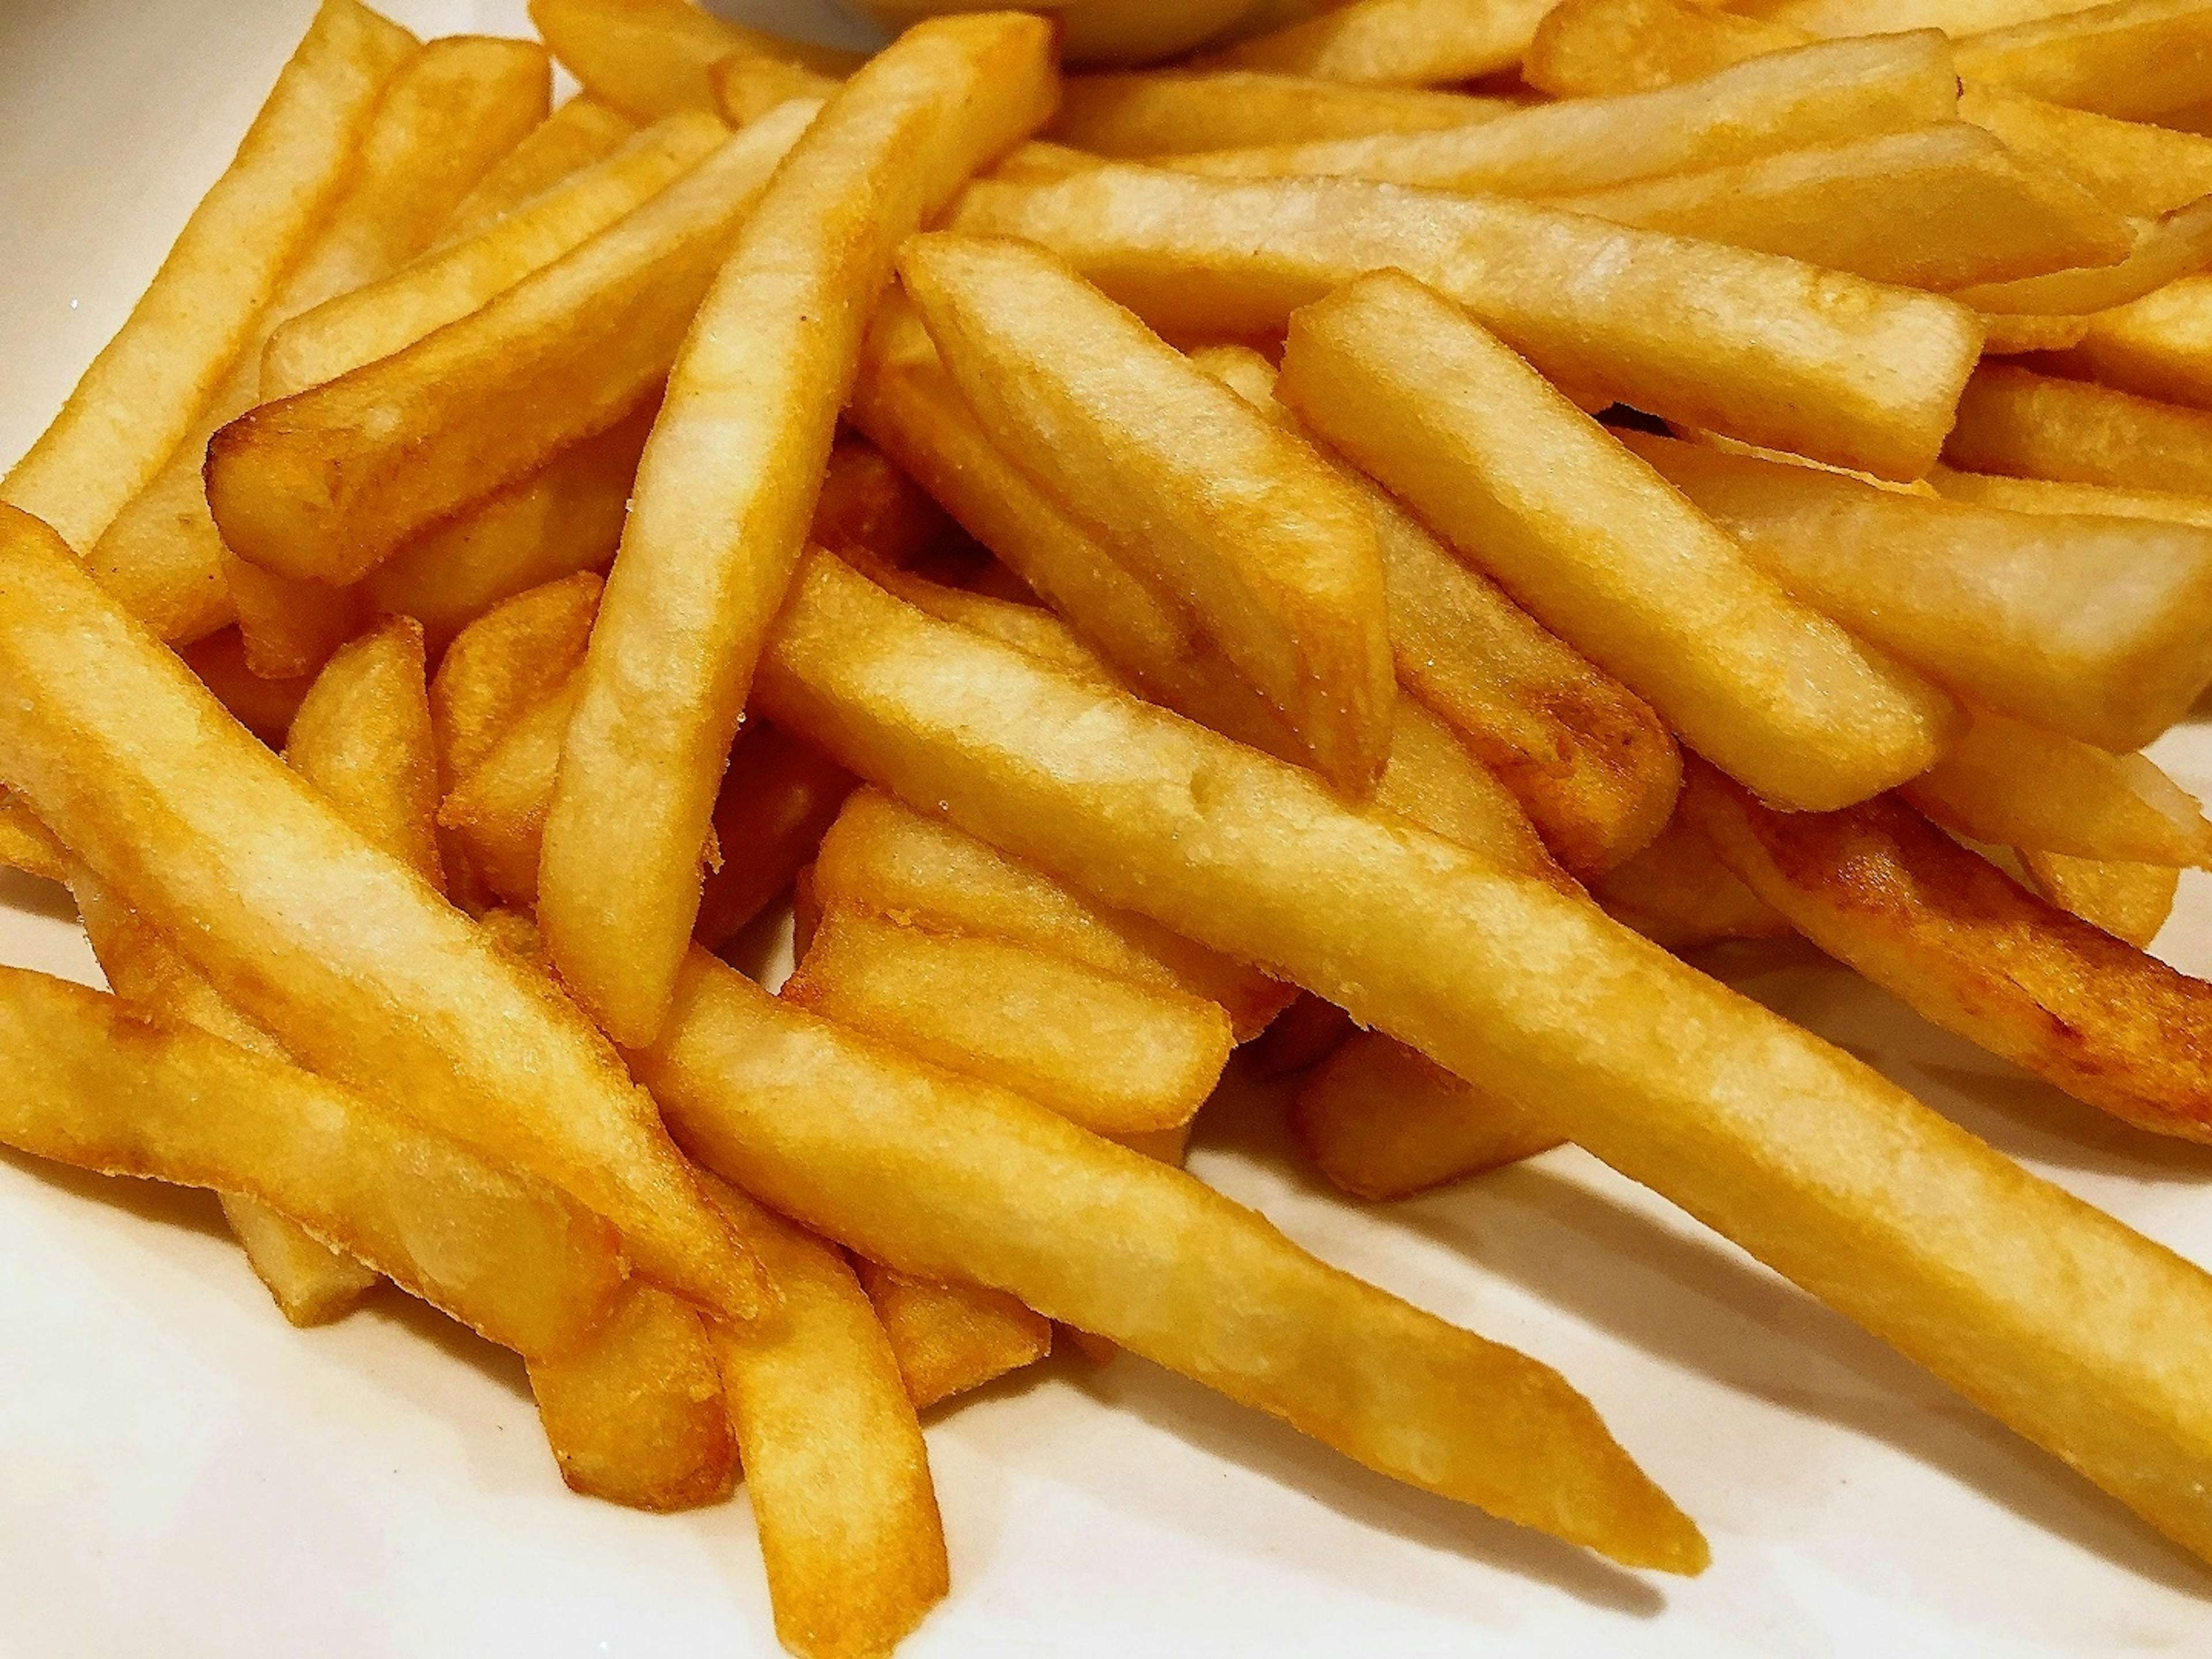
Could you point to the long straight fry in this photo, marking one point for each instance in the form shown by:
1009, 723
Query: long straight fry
1396, 42
582, 131
1167, 113
2017, 422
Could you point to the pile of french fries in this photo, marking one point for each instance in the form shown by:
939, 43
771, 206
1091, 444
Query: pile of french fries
1367, 543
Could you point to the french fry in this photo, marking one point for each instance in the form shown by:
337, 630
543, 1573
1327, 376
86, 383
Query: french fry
2137, 60
503, 665
1381, 1122
2164, 251
28, 845
1433, 780
1394, 42
2131, 901
950, 1338
137, 401
1590, 48
1839, 17
1678, 894
2159, 346
1511, 473
265, 707
2016, 423
636, 1415
1028, 627
443, 286
718, 518
1177, 112
2045, 496
2010, 783
496, 813
650, 57
2140, 170
1939, 206
1887, 893
2093, 628
1275, 552
944, 1178
93, 1085
582, 131
363, 737
1994, 1280
1762, 349
1117, 1058
344, 954
1821, 94
1300, 1038
779, 798
746, 85
867, 504
833, 1458
2008, 336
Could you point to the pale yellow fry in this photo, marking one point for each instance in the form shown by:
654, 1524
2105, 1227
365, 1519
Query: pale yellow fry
497, 811
2159, 346
1677, 893
504, 664
950, 1338
28, 845
650, 57
1396, 42
1178, 112
1840, 17
2138, 60
2129, 901
363, 737
727, 488
1588, 48
582, 131
137, 400
2045, 496
2165, 250
2143, 170
2016, 423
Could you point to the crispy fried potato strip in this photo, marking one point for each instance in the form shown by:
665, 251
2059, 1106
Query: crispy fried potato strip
650, 57
779, 798
1180, 111
363, 737
950, 1338
1394, 42
2013, 420
582, 131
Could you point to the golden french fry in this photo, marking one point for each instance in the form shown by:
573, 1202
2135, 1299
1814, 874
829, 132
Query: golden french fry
349, 957
650, 57
833, 1454
289, 628
867, 505
2095, 627
1210, 500
496, 812
950, 1338
28, 845
1677, 893
636, 1415
2163, 252
1601, 549
1433, 780
137, 400
2159, 346
363, 737
779, 798
1839, 17
1304, 1035
1994, 1280
505, 663
1383, 1122
93, 1085
1762, 349
1394, 42
2138, 60
265, 707
2005, 336
1028, 627
945, 1177
2140, 170
1816, 95
728, 484
1177, 112
2131, 901
2046, 495
747, 85
582, 131
2014, 422
1589, 48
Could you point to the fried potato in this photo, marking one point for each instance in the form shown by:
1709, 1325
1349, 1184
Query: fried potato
833, 1454
93, 1085
728, 484
1115, 1057
137, 401
1394, 42
1028, 627
2045, 496
950, 1338
1603, 551
2014, 422
1938, 206
1177, 112
28, 845
2137, 59
265, 707
2143, 171
1835, 18
1274, 552
355, 964
582, 131
945, 1177
1432, 780
2159, 346
326, 484
636, 1415
1677, 893
746, 85
363, 737
650, 57
2013, 784
779, 798
2097, 627
2131, 901
1887, 893
1303, 1035
1992, 1278
1817, 94
1590, 48
868, 505
444, 286
496, 813
1765, 350
1381, 1122
2164, 251
506, 662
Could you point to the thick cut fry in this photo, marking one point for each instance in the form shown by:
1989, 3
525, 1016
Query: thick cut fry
265, 707
728, 485
496, 813
833, 1458
1840, 17
779, 798
28, 845
444, 286
1677, 893
1432, 781
1883, 890
2137, 59
869, 506
2019, 424
2131, 901
636, 1415
650, 57
1600, 549
564, 517
93, 1085
355, 964
1816, 95
882, 858
326, 484
2159, 346
1996, 1280
2045, 496
1939, 206
945, 1177
1177, 112
137, 400
1303, 1035
1208, 499
2144, 171
746, 85
1031, 627
1396, 42
1766, 349
2164, 251
363, 737
2097, 628
1383, 1122
1589, 48
2012, 784
1117, 1058
503, 665
584, 130
950, 1338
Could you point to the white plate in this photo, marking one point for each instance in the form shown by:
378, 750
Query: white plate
182, 1474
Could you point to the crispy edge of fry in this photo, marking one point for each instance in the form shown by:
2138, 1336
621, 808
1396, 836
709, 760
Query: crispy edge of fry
363, 736
1393, 42
1178, 112
650, 57
265, 707
950, 1338
2013, 421
504, 664
581, 131
779, 798
1678, 894
2129, 901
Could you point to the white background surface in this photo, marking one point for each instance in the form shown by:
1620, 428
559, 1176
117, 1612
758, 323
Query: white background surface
181, 1473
